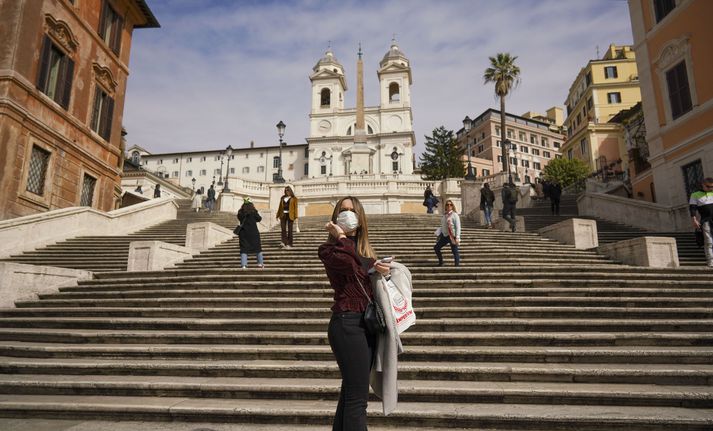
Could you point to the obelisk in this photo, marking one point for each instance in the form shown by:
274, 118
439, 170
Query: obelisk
359, 130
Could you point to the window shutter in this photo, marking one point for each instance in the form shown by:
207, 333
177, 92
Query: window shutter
102, 20
95, 109
107, 117
67, 84
44, 63
117, 25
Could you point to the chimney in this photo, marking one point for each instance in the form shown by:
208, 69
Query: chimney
252, 144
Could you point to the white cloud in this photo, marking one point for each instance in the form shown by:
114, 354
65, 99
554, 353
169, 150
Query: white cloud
226, 72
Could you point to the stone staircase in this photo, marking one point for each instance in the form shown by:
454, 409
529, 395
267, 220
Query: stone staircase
527, 334
110, 253
539, 216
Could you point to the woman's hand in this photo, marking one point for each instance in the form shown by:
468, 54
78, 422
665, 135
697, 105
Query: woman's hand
382, 267
334, 230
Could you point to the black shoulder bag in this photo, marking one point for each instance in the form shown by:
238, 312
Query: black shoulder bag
373, 315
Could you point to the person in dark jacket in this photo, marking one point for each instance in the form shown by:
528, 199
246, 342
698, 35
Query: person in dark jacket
157, 191
210, 201
249, 234
509, 195
348, 258
487, 200
429, 200
555, 195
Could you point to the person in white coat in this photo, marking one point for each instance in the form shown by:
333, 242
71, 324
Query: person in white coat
449, 233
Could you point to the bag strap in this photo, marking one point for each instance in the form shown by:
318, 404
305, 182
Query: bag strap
362, 287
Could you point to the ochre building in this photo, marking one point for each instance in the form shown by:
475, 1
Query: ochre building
602, 89
63, 73
673, 40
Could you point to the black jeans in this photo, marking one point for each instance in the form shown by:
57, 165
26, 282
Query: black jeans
509, 215
286, 227
354, 349
555, 205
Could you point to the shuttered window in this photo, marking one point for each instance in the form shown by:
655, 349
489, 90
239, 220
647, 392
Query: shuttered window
55, 73
679, 94
110, 27
102, 113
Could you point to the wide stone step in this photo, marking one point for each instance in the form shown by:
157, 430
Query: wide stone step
475, 415
319, 324
621, 312
251, 301
529, 354
312, 292
415, 338
619, 373
328, 389
446, 286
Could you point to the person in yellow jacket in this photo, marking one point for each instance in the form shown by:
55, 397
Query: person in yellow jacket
287, 214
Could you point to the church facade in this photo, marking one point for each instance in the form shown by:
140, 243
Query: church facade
335, 145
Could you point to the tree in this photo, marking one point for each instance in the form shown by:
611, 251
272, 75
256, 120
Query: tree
505, 75
443, 156
566, 171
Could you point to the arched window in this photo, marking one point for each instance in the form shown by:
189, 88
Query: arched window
136, 158
394, 95
325, 97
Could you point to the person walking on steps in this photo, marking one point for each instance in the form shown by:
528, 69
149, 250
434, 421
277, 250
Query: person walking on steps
701, 202
210, 201
509, 196
555, 195
487, 199
287, 214
249, 234
157, 191
197, 200
348, 259
429, 200
449, 233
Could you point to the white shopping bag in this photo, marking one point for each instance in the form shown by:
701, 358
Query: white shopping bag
401, 307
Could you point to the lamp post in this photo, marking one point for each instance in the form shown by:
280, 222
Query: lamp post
220, 175
467, 124
280, 132
228, 153
193, 185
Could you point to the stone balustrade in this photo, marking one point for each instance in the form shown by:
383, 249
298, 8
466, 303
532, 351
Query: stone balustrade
27, 233
632, 212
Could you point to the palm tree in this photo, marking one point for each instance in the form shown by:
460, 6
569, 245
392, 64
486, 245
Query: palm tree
505, 75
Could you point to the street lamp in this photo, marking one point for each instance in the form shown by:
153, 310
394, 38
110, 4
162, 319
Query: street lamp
467, 124
281, 132
193, 184
228, 153
220, 174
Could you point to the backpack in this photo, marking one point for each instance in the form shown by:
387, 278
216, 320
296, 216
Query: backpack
510, 195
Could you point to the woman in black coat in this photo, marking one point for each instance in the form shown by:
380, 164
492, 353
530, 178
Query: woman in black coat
249, 234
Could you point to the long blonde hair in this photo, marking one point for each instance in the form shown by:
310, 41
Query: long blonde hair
362, 233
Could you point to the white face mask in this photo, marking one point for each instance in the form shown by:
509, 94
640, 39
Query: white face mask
348, 221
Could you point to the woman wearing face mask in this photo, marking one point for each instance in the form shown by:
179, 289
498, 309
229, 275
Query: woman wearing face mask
348, 258
450, 233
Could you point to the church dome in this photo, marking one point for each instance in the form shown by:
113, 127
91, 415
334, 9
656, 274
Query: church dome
329, 62
394, 54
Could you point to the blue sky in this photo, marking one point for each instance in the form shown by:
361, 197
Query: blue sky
222, 72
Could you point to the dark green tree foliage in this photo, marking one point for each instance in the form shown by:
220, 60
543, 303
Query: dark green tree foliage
566, 172
443, 157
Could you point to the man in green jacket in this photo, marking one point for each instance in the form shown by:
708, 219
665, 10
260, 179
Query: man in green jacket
702, 203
